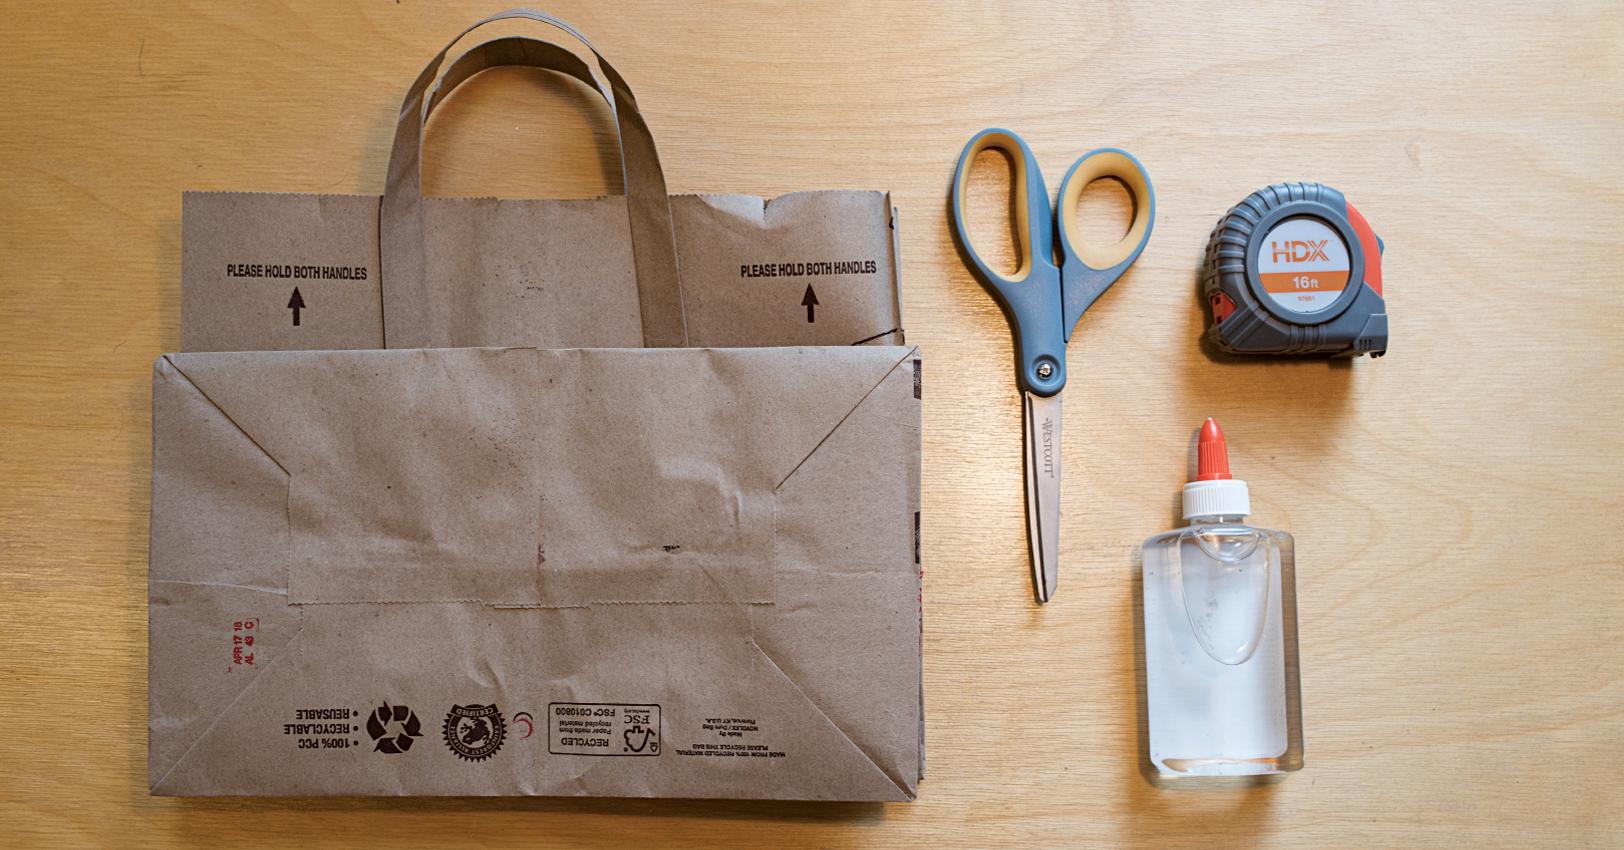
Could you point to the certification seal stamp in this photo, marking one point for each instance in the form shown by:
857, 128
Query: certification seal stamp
474, 732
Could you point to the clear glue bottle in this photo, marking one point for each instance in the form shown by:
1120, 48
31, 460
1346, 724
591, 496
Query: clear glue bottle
1221, 634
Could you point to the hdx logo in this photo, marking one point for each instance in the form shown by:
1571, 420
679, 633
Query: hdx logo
1298, 251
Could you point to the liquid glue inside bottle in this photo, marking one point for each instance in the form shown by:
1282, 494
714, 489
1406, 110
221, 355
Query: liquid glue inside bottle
1221, 634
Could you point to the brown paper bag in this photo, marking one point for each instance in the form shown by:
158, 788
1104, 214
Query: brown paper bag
305, 272
676, 573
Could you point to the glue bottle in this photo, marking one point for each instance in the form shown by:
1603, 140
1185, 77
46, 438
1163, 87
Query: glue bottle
1221, 634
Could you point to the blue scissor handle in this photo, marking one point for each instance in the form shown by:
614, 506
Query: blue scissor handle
1087, 271
1031, 298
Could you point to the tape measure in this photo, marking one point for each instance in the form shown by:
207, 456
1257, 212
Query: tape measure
1295, 269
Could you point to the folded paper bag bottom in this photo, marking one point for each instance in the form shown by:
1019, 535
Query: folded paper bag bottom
684, 573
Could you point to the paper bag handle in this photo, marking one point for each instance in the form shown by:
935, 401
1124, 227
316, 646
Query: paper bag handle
401, 247
508, 51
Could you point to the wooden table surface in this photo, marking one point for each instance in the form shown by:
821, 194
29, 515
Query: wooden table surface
1456, 503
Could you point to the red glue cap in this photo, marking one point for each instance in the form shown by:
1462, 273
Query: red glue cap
1214, 493
1212, 454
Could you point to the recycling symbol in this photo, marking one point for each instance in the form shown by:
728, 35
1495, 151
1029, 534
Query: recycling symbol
393, 727
638, 738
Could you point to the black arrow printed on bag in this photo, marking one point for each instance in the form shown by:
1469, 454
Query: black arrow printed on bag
810, 302
296, 303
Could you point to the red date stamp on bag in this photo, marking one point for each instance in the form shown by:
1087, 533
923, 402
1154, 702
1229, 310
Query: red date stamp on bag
243, 634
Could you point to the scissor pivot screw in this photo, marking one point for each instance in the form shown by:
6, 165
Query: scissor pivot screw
1045, 370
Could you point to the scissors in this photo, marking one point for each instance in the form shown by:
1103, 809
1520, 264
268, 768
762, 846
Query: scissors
1043, 301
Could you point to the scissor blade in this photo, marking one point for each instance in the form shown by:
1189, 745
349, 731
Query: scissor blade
1042, 416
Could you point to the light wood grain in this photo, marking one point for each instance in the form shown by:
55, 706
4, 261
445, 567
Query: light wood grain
1456, 504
